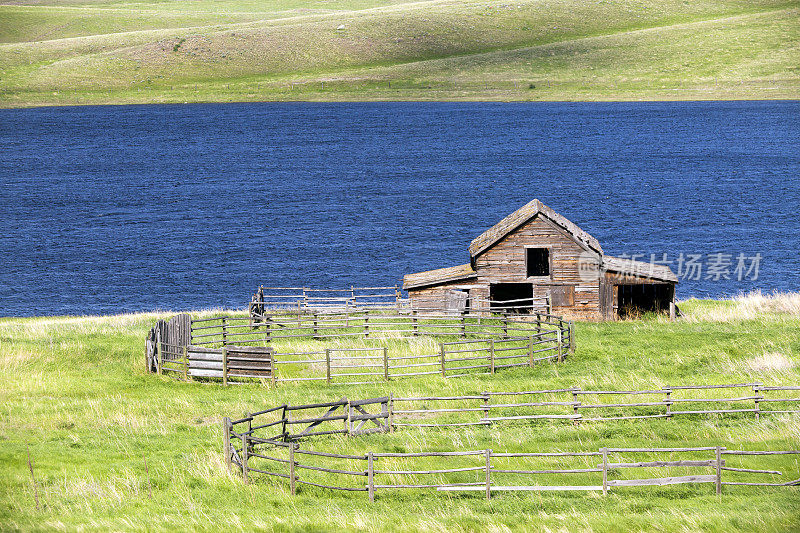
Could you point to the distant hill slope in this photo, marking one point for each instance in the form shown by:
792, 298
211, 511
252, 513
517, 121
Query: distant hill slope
107, 52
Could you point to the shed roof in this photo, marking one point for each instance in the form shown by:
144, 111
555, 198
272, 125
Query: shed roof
438, 276
490, 237
631, 267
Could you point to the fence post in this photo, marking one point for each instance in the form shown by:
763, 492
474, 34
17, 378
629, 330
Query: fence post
491, 355
414, 322
558, 340
605, 470
349, 420
391, 412
668, 392
486, 398
576, 404
366, 323
505, 326
328, 365
385, 364
285, 423
291, 468
756, 391
488, 475
571, 337
463, 326
160, 351
269, 330
185, 363
224, 331
245, 472
224, 366
316, 329
370, 477
538, 322
226, 440
530, 352
441, 347
719, 469
272, 368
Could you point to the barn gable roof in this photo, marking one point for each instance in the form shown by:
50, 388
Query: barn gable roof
438, 276
631, 267
496, 233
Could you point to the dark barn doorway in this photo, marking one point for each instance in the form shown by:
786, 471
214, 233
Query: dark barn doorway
511, 297
633, 300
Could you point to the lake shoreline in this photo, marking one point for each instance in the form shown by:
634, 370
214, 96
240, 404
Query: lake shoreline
477, 99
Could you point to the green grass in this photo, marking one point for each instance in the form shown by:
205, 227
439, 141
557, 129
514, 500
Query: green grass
76, 393
114, 52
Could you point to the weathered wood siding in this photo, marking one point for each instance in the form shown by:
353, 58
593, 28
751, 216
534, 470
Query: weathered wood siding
436, 297
505, 263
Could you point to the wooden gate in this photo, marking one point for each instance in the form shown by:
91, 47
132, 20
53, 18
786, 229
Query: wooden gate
170, 337
231, 362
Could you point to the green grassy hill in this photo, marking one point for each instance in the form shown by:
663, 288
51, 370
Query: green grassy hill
104, 51
76, 394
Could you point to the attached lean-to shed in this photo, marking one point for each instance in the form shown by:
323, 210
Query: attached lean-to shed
535, 257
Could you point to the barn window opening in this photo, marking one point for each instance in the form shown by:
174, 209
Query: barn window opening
537, 261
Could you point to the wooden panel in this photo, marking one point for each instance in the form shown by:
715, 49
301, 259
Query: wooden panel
562, 295
456, 301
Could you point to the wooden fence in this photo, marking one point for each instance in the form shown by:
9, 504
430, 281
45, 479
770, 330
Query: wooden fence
289, 325
304, 299
573, 404
505, 342
229, 363
168, 336
251, 445
459, 302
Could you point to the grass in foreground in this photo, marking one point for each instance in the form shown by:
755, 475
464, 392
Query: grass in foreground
76, 393
107, 52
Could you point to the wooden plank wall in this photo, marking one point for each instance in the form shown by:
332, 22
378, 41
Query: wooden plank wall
505, 263
231, 362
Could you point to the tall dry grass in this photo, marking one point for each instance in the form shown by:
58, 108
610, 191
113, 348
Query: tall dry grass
749, 306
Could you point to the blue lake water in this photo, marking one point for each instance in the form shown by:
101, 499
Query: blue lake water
110, 209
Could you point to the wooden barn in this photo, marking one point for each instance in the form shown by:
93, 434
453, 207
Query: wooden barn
535, 258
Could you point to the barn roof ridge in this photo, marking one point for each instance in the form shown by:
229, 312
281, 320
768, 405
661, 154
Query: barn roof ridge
535, 207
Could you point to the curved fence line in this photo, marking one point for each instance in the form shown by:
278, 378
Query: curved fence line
269, 442
460, 345
286, 325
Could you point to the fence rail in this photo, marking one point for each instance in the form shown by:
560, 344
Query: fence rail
251, 445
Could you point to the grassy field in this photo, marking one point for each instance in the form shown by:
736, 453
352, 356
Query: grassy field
104, 51
75, 393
